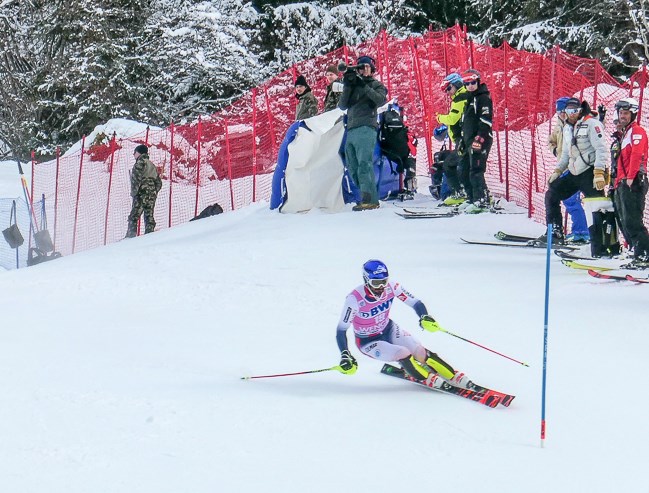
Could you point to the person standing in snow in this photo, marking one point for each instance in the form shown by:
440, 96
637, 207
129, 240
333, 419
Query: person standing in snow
334, 89
307, 105
454, 87
367, 309
631, 183
476, 142
579, 232
145, 185
362, 96
586, 156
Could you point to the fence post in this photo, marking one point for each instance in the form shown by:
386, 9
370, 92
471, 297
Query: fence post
171, 170
534, 172
198, 162
643, 84
31, 195
227, 153
110, 183
596, 87
254, 145
271, 128
506, 118
56, 192
386, 61
76, 206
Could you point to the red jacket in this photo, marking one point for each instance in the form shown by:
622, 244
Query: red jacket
633, 153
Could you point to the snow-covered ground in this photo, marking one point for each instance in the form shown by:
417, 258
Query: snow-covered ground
120, 367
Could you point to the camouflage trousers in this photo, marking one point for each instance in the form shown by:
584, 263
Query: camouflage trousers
144, 201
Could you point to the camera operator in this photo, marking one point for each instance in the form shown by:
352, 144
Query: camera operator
362, 95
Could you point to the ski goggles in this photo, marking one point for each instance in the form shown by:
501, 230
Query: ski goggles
572, 111
448, 88
378, 283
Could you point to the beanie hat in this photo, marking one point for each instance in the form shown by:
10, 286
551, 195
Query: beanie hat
333, 69
142, 149
301, 81
368, 60
470, 75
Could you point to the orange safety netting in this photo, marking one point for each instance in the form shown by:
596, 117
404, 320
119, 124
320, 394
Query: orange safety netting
229, 157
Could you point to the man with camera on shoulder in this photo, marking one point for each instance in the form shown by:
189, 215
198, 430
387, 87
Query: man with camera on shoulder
362, 96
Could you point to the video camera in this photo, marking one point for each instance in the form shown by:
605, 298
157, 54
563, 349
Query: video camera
343, 67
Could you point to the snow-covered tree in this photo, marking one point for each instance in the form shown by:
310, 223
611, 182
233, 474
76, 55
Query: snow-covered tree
200, 53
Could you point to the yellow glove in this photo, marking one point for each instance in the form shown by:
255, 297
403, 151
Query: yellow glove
348, 364
555, 174
428, 323
599, 181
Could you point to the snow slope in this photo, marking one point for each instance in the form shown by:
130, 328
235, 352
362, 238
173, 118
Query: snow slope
120, 367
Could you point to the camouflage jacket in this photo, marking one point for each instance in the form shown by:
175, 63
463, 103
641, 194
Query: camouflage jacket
144, 176
307, 106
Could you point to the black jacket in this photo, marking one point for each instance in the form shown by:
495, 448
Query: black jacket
478, 116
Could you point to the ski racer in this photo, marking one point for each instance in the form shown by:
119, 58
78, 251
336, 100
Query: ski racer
367, 308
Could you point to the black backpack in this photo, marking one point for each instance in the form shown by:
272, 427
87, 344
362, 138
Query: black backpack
393, 137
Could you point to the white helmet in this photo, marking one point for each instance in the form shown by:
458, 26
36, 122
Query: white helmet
630, 104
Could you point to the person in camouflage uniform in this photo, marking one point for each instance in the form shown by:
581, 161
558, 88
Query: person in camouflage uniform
307, 105
145, 185
334, 89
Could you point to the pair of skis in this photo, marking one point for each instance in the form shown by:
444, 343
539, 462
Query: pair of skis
610, 269
516, 241
426, 213
483, 395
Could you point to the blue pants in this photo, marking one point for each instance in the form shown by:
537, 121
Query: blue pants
576, 211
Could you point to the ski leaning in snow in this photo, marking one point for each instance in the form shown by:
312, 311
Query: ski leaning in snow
516, 244
483, 395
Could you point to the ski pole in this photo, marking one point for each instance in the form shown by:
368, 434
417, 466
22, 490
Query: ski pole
337, 367
431, 325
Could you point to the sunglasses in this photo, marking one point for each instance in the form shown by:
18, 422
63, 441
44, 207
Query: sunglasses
378, 283
448, 88
471, 83
363, 66
572, 111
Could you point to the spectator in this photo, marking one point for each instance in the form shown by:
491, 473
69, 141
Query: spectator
307, 106
476, 142
453, 86
334, 88
579, 232
631, 181
145, 185
362, 95
586, 157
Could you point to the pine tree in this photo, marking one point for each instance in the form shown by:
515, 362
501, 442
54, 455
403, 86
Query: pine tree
199, 51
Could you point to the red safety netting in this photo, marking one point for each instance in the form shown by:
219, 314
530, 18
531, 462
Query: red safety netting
229, 157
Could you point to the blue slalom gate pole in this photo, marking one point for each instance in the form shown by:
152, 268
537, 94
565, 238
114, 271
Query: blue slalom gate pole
545, 331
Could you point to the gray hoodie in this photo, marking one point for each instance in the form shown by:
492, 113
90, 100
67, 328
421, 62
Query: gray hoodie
361, 102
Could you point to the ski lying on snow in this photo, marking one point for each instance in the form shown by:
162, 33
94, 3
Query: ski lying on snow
516, 244
483, 395
574, 256
501, 235
424, 215
597, 264
617, 276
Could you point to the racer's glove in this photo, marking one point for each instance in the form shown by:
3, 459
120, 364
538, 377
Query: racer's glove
428, 323
348, 364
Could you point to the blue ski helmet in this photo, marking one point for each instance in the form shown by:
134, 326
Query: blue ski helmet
453, 79
561, 104
440, 133
375, 274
